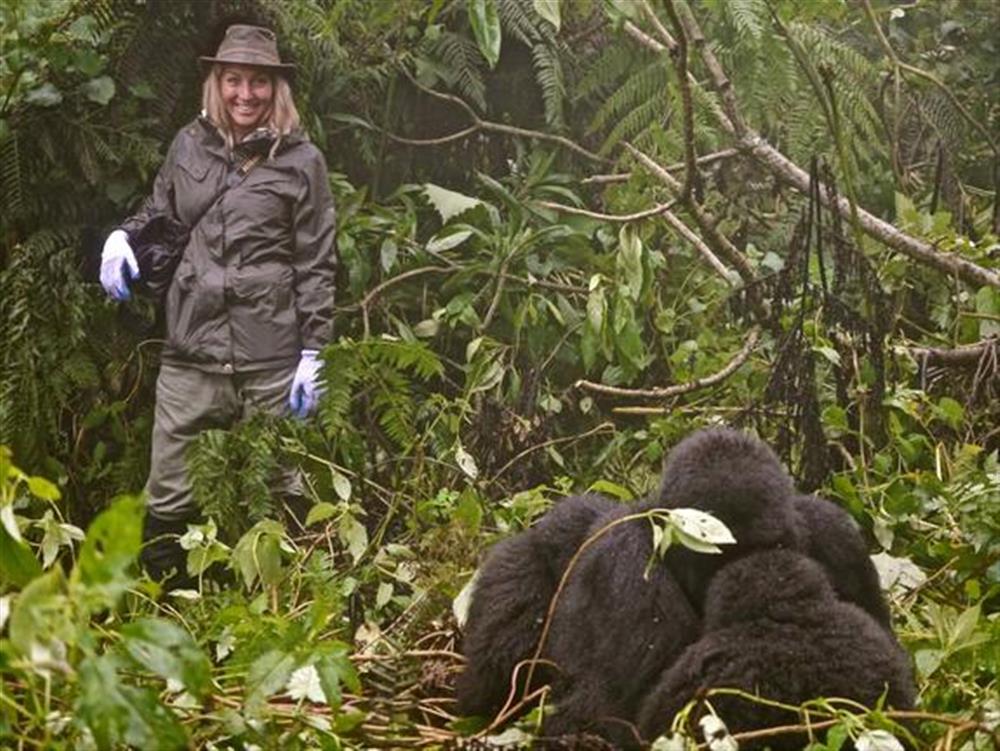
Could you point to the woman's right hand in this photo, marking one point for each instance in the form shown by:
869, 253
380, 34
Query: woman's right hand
118, 266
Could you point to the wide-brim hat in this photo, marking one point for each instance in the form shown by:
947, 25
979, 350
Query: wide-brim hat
249, 45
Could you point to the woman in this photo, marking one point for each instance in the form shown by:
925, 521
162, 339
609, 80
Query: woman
251, 301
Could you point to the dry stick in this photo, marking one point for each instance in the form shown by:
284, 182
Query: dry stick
684, 84
680, 388
599, 429
967, 355
623, 218
620, 177
712, 235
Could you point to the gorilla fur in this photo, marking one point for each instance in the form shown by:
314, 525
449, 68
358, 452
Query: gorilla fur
511, 599
621, 622
774, 627
619, 625
831, 537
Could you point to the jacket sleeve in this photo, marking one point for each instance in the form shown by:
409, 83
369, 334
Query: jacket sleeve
314, 254
161, 201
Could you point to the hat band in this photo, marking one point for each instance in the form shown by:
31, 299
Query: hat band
248, 52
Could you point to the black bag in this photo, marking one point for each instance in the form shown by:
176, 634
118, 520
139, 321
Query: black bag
158, 246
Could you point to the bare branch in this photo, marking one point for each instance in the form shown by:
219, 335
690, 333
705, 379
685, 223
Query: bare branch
681, 65
966, 356
622, 218
681, 388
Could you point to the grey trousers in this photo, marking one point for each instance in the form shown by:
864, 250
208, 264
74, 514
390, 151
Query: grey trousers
189, 401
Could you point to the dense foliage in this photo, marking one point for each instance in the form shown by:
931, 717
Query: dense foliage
570, 233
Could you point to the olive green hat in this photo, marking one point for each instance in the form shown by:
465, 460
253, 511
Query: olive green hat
249, 45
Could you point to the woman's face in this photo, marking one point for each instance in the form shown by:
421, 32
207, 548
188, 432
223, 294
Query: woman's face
247, 94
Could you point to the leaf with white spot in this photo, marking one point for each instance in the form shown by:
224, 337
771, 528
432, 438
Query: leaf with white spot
304, 684
877, 740
466, 462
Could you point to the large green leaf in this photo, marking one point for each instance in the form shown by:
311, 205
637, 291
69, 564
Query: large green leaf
486, 27
121, 715
18, 565
268, 674
110, 549
169, 651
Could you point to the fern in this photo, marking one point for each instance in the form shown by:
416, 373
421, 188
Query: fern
232, 474
459, 63
749, 18
549, 74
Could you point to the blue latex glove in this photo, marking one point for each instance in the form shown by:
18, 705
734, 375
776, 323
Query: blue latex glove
305, 384
118, 266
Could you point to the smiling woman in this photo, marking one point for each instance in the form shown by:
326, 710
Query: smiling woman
251, 301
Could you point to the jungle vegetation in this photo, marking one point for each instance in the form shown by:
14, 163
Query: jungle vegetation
571, 232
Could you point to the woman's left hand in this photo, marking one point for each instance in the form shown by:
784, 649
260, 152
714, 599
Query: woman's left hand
305, 384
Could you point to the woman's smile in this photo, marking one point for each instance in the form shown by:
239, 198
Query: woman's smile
247, 93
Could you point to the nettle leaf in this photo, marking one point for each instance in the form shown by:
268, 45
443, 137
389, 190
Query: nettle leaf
121, 715
486, 28
304, 683
549, 10
700, 531
169, 651
448, 203
257, 554
45, 95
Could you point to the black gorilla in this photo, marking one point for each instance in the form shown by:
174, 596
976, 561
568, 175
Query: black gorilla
832, 538
618, 625
511, 599
620, 622
774, 627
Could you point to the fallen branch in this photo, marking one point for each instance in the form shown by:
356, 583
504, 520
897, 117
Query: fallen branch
681, 388
968, 355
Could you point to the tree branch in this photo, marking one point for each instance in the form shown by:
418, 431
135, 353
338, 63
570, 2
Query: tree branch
681, 388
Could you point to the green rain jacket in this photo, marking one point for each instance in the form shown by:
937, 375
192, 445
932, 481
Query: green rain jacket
255, 284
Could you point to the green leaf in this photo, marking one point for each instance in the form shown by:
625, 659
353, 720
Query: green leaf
448, 203
383, 595
42, 488
612, 488
486, 28
108, 553
630, 261
121, 715
320, 512
335, 669
41, 613
549, 10
267, 675
100, 90
169, 651
446, 241
354, 536
341, 485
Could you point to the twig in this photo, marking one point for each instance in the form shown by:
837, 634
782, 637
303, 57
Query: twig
681, 388
603, 427
681, 65
623, 218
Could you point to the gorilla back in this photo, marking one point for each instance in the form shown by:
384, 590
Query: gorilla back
774, 627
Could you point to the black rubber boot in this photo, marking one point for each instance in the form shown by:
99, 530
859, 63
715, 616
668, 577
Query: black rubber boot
162, 556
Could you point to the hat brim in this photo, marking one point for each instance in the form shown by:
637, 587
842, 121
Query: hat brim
278, 67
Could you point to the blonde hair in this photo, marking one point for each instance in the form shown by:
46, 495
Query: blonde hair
282, 119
